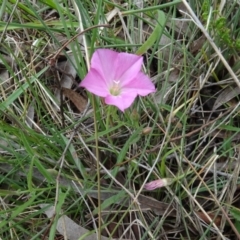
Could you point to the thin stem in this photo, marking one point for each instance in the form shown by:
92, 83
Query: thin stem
98, 168
108, 117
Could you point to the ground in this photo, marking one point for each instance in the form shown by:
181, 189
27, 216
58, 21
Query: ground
74, 167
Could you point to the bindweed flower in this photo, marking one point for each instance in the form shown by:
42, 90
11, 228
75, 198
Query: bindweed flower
117, 77
158, 183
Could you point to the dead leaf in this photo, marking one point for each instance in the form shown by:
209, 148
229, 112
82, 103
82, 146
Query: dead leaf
159, 208
67, 227
79, 101
216, 219
227, 94
197, 45
30, 115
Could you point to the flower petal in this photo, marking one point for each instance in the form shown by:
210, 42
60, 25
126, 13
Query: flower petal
104, 61
155, 184
142, 85
128, 67
116, 66
94, 83
122, 101
158, 183
109, 68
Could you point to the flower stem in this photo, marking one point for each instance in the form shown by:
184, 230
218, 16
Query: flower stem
109, 111
98, 167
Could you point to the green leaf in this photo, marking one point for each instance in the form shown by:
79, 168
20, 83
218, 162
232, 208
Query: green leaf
61, 199
75, 157
133, 139
43, 170
237, 225
152, 8
156, 34
50, 3
105, 132
235, 213
55, 26
23, 7
230, 128
112, 200
30, 176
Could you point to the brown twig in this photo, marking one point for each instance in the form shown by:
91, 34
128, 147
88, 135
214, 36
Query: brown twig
52, 60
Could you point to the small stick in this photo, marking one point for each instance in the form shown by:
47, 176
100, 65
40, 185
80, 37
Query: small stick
52, 60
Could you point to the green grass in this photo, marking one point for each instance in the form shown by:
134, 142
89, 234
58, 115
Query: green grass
72, 160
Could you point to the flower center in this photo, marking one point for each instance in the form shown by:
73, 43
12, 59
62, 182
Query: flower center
115, 89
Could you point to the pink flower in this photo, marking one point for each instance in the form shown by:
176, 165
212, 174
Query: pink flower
158, 183
117, 77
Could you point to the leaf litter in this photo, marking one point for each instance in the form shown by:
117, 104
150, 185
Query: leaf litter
194, 105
